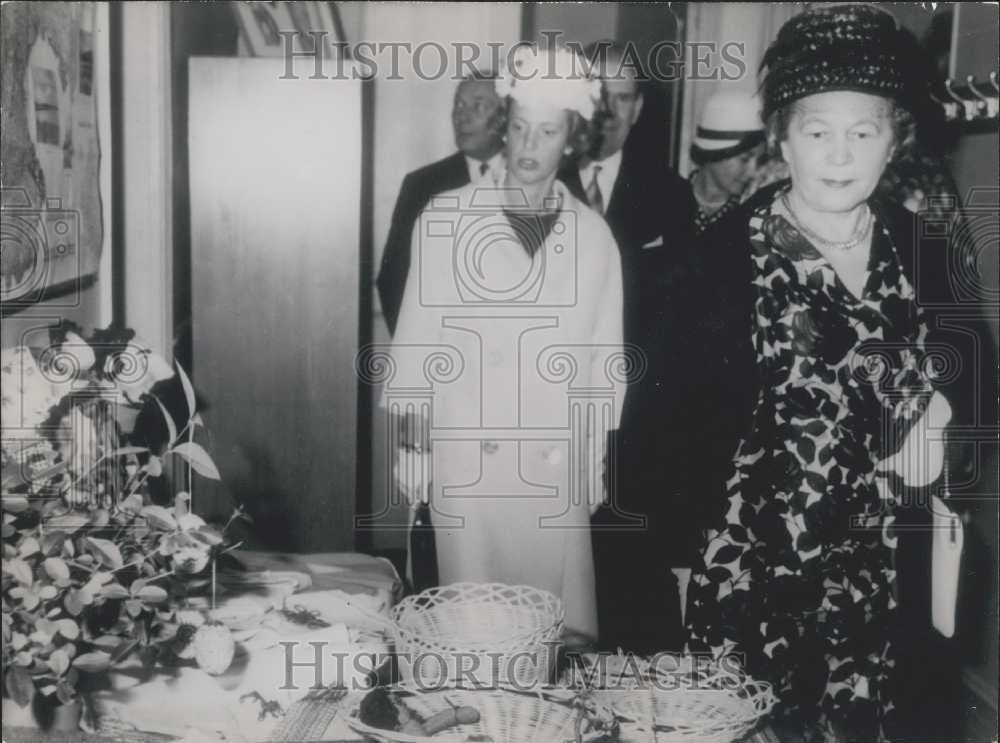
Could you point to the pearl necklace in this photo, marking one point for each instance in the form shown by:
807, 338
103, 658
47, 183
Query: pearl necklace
861, 229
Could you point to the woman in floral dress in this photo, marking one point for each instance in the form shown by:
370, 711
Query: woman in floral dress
797, 576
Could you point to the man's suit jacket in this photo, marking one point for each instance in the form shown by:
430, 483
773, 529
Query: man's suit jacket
651, 214
415, 193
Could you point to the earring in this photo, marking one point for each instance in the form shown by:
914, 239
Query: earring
567, 150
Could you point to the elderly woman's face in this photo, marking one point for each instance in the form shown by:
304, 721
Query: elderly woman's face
536, 136
837, 146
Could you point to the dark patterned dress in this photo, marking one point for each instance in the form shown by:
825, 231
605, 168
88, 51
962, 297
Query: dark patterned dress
797, 575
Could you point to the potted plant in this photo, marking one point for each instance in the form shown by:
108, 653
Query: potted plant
94, 568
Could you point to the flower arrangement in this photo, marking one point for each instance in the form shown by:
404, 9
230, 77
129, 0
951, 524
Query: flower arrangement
94, 569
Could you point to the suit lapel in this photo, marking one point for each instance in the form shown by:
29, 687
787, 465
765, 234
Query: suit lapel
635, 211
629, 193
619, 200
455, 174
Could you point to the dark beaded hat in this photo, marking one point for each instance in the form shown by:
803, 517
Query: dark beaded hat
841, 47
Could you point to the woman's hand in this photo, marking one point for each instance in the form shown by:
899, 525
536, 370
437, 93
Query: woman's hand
921, 458
411, 467
412, 474
600, 497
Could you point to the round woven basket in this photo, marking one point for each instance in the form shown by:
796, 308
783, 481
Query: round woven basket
488, 632
684, 701
505, 716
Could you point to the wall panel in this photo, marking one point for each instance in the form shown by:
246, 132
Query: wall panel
275, 174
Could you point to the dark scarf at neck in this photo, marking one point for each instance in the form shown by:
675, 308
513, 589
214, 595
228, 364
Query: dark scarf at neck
531, 228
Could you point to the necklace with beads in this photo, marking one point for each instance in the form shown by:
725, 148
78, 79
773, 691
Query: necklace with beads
861, 229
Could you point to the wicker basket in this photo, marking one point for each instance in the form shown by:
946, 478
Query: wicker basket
684, 701
505, 716
490, 632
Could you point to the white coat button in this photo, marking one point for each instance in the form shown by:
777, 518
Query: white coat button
490, 447
495, 358
553, 455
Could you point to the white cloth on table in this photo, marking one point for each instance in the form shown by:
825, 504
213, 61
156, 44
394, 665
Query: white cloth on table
351, 572
188, 703
191, 702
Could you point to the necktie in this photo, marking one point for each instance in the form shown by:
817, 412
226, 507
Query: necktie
594, 192
483, 169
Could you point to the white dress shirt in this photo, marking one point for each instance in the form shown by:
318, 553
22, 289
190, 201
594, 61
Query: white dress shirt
606, 177
496, 167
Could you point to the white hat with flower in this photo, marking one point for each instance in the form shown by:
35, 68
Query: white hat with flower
557, 75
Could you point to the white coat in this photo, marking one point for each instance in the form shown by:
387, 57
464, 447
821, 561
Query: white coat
518, 363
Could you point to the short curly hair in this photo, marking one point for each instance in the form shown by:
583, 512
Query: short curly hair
904, 129
581, 132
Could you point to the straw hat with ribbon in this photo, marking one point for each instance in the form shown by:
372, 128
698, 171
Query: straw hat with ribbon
730, 125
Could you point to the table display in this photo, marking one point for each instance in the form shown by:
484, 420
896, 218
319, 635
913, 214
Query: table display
323, 604
516, 630
552, 715
675, 699
313, 636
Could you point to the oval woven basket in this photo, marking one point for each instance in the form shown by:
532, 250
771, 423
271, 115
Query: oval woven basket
505, 716
490, 632
687, 715
685, 700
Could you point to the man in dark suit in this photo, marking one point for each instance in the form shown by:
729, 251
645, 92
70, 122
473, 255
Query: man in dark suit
650, 210
476, 119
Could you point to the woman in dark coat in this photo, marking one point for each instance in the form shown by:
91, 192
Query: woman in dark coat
797, 577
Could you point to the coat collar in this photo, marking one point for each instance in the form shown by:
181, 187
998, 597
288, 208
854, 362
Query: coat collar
493, 198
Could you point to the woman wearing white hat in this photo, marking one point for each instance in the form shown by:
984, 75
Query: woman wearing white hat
520, 288
726, 147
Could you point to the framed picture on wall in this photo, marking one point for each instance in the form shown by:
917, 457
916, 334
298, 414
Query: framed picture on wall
263, 23
325, 16
51, 211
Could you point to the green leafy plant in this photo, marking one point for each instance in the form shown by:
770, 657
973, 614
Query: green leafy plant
94, 570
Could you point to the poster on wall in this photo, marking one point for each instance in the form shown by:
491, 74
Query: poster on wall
50, 203
263, 23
